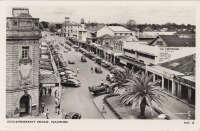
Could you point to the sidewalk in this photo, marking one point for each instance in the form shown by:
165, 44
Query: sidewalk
98, 101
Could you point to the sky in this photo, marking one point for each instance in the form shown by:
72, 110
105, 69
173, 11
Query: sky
114, 14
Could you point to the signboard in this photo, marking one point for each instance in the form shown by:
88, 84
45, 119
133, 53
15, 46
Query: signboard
48, 85
165, 53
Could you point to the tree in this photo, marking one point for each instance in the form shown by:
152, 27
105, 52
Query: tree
58, 26
142, 91
41, 26
131, 25
121, 77
45, 24
52, 27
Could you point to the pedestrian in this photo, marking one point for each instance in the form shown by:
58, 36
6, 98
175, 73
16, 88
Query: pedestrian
50, 90
41, 93
91, 69
43, 105
102, 83
55, 93
103, 108
77, 70
45, 91
58, 108
47, 113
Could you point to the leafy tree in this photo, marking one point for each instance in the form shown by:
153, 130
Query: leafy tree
52, 27
41, 26
142, 91
121, 77
131, 25
45, 24
58, 26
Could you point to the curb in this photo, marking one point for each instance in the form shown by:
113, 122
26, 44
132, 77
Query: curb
98, 109
110, 106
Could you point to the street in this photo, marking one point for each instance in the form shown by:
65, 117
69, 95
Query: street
79, 99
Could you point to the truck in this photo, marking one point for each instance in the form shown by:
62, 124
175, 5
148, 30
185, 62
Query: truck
99, 89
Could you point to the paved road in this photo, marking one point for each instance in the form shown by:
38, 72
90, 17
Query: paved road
80, 99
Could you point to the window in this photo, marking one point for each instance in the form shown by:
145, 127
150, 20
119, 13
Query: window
25, 52
160, 43
36, 23
15, 23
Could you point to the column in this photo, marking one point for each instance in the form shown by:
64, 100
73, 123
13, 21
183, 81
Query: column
179, 90
162, 82
173, 88
189, 94
154, 77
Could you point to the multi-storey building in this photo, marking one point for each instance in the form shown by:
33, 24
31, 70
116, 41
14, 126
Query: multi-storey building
22, 64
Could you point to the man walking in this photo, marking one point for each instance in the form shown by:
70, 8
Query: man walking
77, 70
43, 105
55, 93
102, 83
50, 90
47, 113
45, 91
92, 69
103, 108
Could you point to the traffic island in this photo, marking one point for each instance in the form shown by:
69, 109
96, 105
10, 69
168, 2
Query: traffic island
126, 112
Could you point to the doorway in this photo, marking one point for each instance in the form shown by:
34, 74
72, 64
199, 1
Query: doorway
24, 105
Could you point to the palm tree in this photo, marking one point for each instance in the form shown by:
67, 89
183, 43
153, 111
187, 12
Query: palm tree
142, 91
121, 77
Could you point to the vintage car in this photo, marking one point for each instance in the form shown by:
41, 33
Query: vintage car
99, 89
109, 77
98, 70
72, 115
70, 82
83, 59
71, 61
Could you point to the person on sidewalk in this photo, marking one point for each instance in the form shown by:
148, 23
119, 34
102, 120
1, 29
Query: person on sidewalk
41, 93
77, 70
55, 93
50, 90
102, 83
58, 108
45, 91
92, 69
43, 105
103, 108
47, 113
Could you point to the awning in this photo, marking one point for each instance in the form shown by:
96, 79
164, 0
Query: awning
48, 79
134, 63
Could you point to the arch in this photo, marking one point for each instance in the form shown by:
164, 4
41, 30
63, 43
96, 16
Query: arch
25, 105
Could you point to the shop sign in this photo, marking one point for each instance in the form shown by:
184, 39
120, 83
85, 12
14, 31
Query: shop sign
48, 85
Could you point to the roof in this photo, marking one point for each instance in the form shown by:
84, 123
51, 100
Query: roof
118, 29
183, 65
24, 15
153, 34
48, 79
184, 32
175, 41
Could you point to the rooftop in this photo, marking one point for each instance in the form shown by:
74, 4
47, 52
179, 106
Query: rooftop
183, 65
118, 29
184, 32
175, 41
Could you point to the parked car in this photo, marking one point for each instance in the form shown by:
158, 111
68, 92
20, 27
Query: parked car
98, 70
98, 60
70, 82
71, 61
109, 77
65, 51
72, 115
97, 90
83, 59
72, 75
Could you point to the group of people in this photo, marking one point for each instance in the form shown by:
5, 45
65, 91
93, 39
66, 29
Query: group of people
45, 91
57, 101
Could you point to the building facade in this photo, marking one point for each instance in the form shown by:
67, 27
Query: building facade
22, 64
